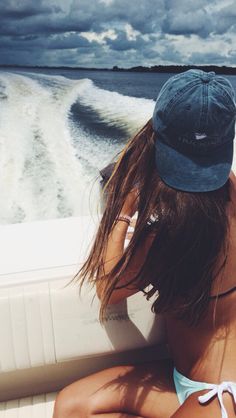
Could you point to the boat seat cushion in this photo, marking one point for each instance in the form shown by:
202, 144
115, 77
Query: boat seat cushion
40, 406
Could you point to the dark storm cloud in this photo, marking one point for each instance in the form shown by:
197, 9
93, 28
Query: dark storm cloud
197, 22
82, 15
145, 16
71, 41
48, 31
51, 23
226, 19
187, 17
122, 43
194, 17
22, 9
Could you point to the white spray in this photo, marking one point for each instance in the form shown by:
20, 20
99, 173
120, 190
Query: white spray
41, 176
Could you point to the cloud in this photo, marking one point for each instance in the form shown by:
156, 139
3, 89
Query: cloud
82, 15
204, 58
15, 10
100, 37
225, 19
112, 32
71, 41
187, 17
125, 42
187, 23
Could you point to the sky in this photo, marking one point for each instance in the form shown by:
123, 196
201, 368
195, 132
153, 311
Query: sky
126, 33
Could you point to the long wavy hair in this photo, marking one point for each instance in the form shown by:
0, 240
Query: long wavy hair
189, 233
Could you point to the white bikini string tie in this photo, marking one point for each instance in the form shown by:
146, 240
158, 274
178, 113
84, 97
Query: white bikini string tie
218, 390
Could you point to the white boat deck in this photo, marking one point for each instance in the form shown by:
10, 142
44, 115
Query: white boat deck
51, 335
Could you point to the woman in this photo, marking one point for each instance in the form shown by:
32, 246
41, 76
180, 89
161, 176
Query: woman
176, 173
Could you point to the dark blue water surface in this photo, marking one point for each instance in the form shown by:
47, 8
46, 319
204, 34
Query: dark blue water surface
57, 134
140, 84
146, 85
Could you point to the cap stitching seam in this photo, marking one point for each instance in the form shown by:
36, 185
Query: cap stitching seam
229, 99
172, 103
204, 108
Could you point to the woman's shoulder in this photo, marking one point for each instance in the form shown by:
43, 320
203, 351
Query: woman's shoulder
225, 281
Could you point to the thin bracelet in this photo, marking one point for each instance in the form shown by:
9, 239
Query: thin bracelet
124, 218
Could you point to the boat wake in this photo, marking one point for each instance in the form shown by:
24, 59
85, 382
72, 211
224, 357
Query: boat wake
55, 136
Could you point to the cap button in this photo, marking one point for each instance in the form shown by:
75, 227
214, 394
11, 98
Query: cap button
207, 77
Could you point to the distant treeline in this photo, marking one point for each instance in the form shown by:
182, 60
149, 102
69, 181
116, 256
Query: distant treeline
154, 69
179, 69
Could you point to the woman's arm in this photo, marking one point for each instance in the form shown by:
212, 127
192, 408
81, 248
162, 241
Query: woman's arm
115, 250
113, 253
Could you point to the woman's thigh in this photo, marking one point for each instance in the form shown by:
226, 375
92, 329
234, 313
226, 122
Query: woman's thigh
145, 390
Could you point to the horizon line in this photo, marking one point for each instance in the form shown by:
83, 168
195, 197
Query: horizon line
117, 68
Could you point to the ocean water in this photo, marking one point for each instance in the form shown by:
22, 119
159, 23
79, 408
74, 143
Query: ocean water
58, 129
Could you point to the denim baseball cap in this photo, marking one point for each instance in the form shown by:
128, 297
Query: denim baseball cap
194, 122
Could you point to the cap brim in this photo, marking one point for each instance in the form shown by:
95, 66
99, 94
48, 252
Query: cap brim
194, 174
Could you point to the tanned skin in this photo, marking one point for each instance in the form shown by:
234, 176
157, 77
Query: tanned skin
205, 352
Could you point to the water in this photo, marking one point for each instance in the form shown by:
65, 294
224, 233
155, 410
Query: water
58, 129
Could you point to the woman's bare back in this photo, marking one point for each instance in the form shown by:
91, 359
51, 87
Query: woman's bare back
206, 352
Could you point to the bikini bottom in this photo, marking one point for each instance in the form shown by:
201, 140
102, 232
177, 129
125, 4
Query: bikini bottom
185, 387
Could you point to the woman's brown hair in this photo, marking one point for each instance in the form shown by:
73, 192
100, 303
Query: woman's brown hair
189, 233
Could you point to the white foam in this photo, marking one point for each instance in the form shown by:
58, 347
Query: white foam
116, 109
41, 178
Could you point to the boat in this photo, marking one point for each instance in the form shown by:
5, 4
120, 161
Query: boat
50, 332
